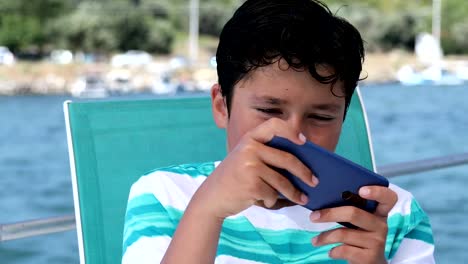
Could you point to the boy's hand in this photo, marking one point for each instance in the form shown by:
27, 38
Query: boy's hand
246, 176
366, 244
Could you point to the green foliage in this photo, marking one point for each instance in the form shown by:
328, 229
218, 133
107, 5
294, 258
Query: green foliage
458, 42
133, 30
109, 25
91, 28
454, 26
22, 21
395, 24
18, 32
213, 16
398, 31
86, 29
161, 37
137, 29
384, 32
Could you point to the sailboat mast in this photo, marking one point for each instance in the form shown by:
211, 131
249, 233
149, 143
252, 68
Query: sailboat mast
194, 30
436, 19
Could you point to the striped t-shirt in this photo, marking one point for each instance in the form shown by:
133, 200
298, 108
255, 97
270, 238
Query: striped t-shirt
256, 235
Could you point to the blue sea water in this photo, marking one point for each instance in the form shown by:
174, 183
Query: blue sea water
407, 123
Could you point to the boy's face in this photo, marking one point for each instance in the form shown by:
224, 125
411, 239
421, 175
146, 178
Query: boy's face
307, 105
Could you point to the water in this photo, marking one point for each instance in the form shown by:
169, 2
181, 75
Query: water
407, 123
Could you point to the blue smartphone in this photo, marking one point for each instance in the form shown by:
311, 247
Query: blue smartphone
339, 178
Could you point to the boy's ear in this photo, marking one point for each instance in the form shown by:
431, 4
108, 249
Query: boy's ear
219, 107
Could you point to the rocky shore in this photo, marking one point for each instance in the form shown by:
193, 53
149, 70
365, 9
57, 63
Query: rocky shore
49, 78
44, 78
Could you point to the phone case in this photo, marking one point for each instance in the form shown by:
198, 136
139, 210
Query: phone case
339, 178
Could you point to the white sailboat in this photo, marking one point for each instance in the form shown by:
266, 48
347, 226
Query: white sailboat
430, 55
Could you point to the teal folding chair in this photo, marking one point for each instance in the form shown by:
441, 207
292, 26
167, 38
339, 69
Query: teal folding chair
111, 144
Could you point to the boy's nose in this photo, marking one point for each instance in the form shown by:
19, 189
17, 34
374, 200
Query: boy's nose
296, 123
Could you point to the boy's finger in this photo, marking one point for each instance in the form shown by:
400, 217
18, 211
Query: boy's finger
283, 185
284, 160
344, 235
386, 198
347, 252
350, 214
267, 195
276, 127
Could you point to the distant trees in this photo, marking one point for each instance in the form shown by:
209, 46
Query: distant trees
22, 22
89, 26
110, 26
394, 24
103, 26
385, 31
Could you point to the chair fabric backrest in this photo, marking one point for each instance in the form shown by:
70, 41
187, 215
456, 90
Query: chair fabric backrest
113, 143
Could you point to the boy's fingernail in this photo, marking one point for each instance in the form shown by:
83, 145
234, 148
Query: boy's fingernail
364, 191
302, 138
314, 241
314, 180
315, 215
304, 198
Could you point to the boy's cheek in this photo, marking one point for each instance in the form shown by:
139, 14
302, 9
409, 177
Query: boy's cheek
326, 138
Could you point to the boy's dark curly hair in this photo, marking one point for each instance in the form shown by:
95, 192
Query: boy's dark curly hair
303, 32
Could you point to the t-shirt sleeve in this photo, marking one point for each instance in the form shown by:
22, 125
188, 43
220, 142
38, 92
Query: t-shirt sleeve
148, 227
413, 240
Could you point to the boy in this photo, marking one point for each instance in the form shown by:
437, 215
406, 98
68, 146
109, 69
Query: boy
285, 68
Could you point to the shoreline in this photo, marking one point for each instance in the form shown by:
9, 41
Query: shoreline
47, 78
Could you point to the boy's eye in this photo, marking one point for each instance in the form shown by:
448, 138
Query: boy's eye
321, 118
270, 111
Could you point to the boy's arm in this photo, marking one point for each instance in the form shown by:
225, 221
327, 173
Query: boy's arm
417, 244
196, 238
244, 178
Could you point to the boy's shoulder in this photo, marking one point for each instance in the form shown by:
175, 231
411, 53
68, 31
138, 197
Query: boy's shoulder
407, 214
165, 181
403, 195
409, 228
406, 203
189, 169
407, 207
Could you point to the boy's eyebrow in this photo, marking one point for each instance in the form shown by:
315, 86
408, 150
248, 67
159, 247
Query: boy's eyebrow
279, 101
269, 100
328, 107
